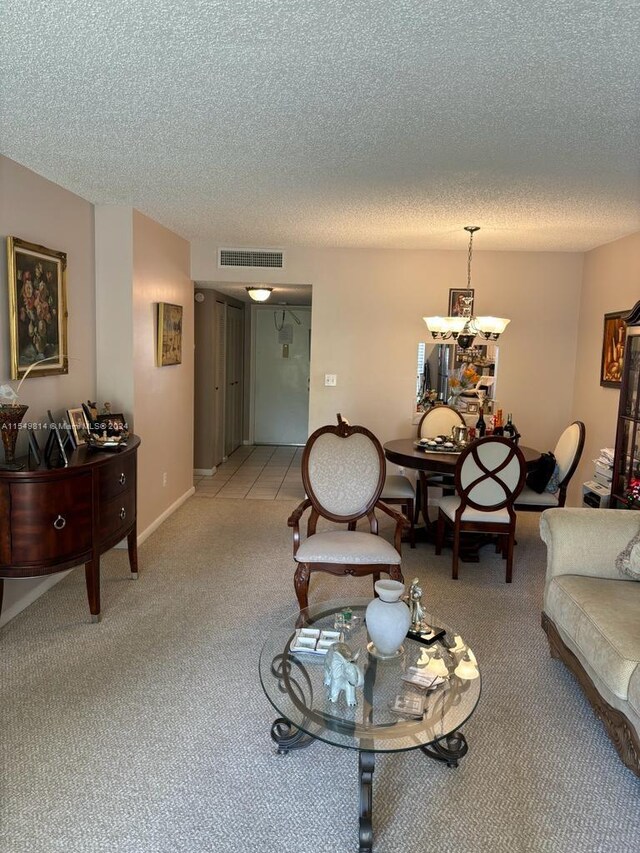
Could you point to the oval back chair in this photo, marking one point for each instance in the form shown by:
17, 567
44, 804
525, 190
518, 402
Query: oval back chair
489, 475
438, 420
343, 470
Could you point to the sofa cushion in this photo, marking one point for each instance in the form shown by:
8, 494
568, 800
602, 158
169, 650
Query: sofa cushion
602, 618
634, 690
628, 560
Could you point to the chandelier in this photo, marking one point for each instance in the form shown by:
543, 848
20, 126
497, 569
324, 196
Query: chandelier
465, 327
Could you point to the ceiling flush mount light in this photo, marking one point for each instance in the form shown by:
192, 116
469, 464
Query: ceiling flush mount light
465, 327
259, 293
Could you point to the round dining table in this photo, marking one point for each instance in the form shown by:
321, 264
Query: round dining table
403, 451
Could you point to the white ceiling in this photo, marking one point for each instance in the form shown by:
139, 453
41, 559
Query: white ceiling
387, 123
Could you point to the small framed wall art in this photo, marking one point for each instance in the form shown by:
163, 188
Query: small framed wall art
613, 338
169, 334
37, 309
457, 300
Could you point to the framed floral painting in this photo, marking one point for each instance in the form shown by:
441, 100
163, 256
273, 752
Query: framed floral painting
613, 338
37, 309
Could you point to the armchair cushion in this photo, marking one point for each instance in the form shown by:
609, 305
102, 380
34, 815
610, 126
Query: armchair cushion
347, 546
600, 616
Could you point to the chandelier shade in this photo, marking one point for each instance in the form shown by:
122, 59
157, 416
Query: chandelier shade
464, 328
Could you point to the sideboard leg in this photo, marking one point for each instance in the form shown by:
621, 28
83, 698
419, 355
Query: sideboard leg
132, 545
92, 575
1, 593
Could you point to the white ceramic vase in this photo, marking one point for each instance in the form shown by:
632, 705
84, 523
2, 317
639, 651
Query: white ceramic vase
387, 619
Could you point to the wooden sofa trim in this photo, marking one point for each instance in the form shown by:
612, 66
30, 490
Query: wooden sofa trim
624, 737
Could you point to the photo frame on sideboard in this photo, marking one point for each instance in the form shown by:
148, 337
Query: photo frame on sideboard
55, 454
34, 452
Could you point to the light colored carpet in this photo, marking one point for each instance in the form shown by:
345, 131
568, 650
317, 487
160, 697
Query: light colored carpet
149, 732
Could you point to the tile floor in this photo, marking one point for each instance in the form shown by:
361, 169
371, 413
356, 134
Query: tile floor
258, 472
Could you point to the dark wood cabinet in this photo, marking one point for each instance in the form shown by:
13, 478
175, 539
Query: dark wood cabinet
626, 463
54, 519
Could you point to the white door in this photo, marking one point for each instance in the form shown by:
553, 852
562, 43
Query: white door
281, 374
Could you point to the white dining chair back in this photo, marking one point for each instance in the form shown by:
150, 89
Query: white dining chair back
439, 420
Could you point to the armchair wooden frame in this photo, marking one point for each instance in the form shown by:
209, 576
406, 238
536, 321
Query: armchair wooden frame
489, 526
312, 502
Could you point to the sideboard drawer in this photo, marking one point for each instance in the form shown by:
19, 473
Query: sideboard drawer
51, 522
116, 477
117, 514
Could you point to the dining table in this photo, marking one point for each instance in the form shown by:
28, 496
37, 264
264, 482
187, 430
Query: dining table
406, 453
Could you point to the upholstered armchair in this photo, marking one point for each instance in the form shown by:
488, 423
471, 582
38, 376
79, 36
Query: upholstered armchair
343, 470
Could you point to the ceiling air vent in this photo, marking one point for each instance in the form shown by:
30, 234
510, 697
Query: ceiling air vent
256, 258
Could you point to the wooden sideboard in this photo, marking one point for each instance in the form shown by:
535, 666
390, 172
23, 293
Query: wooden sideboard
54, 519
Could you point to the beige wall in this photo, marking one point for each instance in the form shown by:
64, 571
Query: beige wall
138, 264
39, 211
611, 282
163, 396
367, 321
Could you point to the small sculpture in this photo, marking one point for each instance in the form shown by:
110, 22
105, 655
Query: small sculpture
415, 605
342, 673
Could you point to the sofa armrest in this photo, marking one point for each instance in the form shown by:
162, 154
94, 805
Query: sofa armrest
584, 541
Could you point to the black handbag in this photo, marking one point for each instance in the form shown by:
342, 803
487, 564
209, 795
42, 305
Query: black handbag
538, 478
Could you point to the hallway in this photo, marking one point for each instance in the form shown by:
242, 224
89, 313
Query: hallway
258, 472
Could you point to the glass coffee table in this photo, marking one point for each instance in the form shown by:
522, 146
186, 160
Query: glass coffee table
293, 682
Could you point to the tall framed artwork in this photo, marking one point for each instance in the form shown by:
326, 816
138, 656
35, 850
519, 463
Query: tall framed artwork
613, 338
169, 334
37, 309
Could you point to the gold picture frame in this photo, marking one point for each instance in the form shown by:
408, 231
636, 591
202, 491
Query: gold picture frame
79, 425
37, 285
169, 334
613, 340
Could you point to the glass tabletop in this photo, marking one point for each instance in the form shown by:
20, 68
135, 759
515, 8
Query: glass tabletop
294, 684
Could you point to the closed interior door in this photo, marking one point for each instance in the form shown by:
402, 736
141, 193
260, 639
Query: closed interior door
281, 371
233, 402
219, 383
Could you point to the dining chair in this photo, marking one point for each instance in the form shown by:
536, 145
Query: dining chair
438, 420
568, 452
489, 475
343, 469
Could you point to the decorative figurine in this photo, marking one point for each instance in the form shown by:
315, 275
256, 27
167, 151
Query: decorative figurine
341, 673
415, 605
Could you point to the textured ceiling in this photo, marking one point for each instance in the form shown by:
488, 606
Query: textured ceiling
389, 123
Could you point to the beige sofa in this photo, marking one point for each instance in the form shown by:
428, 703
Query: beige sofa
592, 615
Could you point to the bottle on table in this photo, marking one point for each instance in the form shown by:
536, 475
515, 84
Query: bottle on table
481, 426
498, 427
510, 431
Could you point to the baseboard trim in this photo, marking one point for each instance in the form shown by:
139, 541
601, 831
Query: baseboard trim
51, 580
142, 537
22, 603
205, 472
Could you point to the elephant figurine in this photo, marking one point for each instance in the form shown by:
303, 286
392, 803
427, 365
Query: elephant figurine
342, 673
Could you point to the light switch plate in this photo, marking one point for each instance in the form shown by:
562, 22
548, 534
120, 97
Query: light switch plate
330, 379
